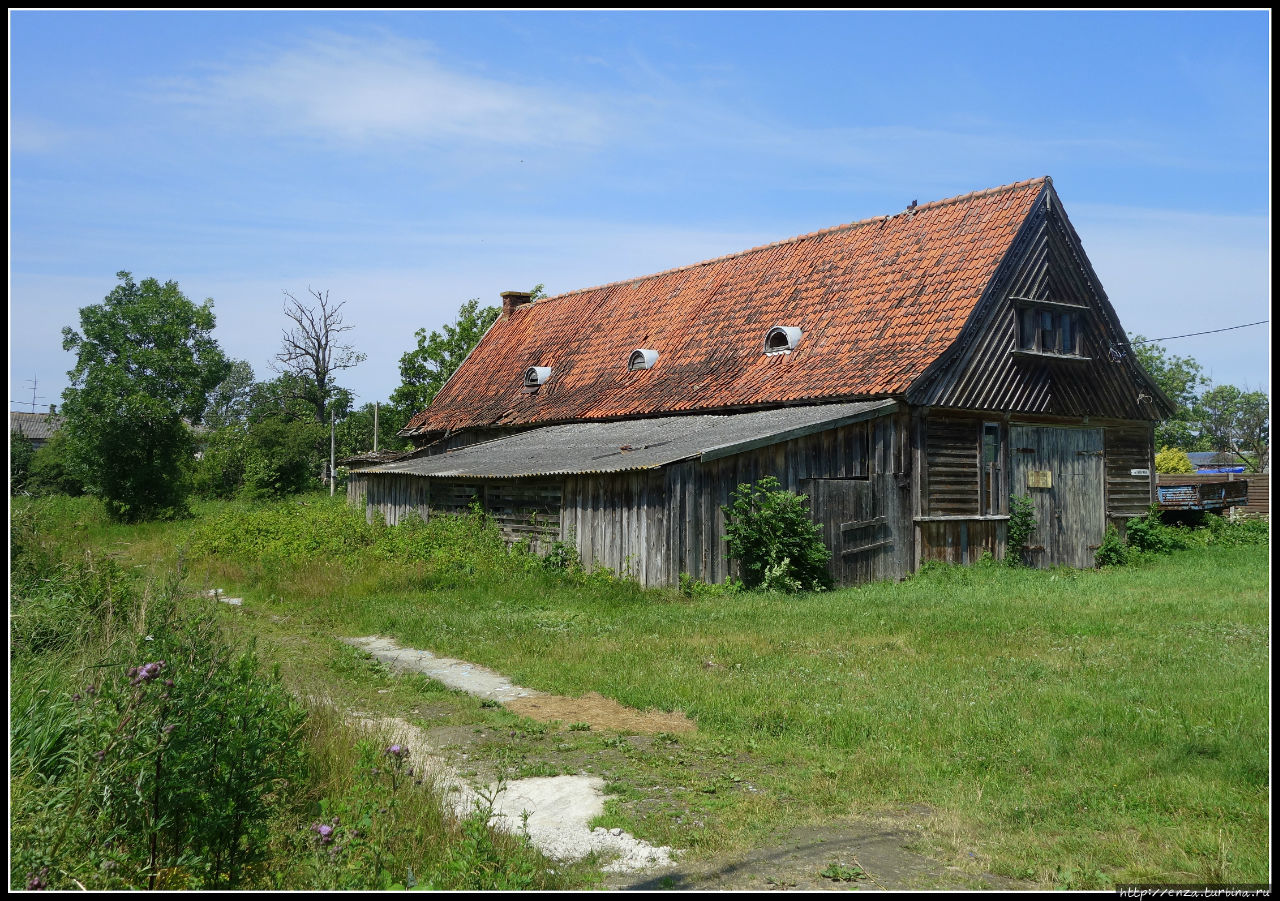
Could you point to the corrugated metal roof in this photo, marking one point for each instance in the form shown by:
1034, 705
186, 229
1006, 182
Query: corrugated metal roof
38, 426
878, 301
630, 444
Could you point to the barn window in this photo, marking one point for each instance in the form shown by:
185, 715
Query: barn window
536, 375
641, 359
782, 339
1048, 329
989, 477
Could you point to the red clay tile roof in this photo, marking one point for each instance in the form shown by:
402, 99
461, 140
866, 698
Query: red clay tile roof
878, 300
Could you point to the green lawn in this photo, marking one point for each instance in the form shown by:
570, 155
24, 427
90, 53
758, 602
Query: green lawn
1072, 728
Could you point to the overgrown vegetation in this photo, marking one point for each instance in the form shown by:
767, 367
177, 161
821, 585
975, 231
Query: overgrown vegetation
1060, 725
1022, 523
1149, 535
771, 535
149, 749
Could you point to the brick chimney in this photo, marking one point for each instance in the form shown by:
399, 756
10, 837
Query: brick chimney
513, 299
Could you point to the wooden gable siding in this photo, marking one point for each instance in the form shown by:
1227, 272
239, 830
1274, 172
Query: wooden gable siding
1045, 263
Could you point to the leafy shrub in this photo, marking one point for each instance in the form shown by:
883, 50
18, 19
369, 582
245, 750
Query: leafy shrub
220, 471
280, 458
1171, 459
562, 555
1229, 532
1150, 535
21, 455
1112, 551
776, 543
53, 471
1022, 523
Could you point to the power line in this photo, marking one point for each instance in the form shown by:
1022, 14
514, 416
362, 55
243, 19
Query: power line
1209, 332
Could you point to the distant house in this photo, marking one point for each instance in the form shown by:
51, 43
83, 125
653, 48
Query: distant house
37, 428
908, 372
1215, 461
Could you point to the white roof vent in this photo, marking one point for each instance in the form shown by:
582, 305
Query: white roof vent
642, 359
782, 339
536, 375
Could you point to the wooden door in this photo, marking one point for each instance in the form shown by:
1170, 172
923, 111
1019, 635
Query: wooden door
855, 527
1062, 471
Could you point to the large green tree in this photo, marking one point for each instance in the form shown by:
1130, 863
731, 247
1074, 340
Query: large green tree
1181, 379
230, 400
1236, 422
146, 360
425, 369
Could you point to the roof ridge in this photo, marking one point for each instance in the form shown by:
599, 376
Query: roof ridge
933, 204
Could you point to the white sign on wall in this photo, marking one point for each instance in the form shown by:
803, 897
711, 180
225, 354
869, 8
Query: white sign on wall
1139, 472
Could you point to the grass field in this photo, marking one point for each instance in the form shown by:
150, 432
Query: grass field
1072, 729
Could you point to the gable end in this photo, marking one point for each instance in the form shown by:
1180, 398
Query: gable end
1044, 339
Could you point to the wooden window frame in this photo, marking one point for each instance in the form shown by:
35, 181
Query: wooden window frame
1030, 332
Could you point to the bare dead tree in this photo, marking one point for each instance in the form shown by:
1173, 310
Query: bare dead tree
311, 350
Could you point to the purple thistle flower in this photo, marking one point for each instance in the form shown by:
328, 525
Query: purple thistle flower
169, 728
324, 831
101, 755
76, 697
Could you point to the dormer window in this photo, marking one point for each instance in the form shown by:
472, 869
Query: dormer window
782, 339
641, 359
536, 375
1047, 327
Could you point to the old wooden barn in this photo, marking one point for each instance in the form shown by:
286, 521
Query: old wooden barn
909, 373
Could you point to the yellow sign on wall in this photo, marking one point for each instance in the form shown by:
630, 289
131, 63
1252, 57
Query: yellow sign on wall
1039, 478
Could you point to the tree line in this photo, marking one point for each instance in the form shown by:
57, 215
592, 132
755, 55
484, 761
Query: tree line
1222, 418
156, 413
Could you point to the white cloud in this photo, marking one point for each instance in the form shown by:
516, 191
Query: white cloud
360, 90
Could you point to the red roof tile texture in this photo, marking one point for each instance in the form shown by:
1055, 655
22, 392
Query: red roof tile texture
878, 301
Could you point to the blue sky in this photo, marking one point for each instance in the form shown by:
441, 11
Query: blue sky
406, 162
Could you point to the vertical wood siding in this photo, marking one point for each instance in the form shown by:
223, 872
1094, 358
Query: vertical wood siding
657, 524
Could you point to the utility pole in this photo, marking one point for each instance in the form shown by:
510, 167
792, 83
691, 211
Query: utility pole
375, 426
332, 473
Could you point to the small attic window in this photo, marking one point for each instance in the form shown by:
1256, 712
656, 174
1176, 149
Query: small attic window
536, 375
782, 339
641, 359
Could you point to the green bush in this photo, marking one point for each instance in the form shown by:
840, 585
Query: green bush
1112, 551
1150, 535
52, 471
1022, 523
772, 536
280, 458
21, 455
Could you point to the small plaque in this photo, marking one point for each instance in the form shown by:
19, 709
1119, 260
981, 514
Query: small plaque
1139, 472
1039, 478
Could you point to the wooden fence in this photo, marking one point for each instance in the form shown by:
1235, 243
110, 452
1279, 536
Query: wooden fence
1259, 485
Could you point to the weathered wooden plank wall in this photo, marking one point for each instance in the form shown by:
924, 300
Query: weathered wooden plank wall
658, 524
526, 508
1129, 449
